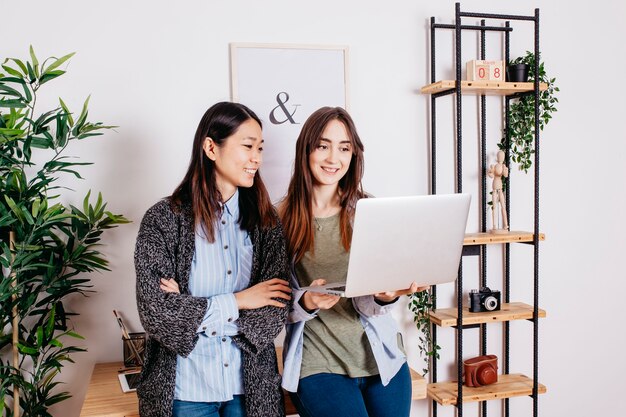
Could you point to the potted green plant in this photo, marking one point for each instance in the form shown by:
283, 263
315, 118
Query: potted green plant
46, 247
516, 72
521, 127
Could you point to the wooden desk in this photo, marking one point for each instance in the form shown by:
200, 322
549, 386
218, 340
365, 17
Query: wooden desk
105, 397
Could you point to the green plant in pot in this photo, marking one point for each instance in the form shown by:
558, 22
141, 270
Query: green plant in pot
46, 246
521, 127
420, 304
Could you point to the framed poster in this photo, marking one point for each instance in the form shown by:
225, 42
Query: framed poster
283, 85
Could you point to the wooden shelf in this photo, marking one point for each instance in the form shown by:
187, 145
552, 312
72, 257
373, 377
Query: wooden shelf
512, 385
491, 238
497, 88
418, 385
446, 317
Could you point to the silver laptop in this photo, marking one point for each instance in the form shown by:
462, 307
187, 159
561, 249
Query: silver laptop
398, 240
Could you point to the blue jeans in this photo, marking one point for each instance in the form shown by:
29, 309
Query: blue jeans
323, 395
233, 408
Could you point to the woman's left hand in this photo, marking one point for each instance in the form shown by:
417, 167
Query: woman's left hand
389, 296
169, 285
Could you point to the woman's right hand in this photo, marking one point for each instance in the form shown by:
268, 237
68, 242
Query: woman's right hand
169, 285
263, 294
316, 300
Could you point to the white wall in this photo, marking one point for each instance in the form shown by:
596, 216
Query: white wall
152, 68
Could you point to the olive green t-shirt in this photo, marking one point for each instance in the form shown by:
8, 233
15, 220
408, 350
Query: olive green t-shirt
334, 341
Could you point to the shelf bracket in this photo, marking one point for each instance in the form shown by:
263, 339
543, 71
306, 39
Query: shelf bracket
468, 326
471, 250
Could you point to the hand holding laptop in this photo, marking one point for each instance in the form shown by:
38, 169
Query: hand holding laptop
315, 300
389, 296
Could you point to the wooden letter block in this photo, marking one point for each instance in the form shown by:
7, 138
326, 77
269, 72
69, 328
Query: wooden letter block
485, 70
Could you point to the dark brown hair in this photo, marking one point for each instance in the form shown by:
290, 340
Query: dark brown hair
296, 210
199, 187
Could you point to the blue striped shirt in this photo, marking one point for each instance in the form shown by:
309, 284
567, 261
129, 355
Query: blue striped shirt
213, 372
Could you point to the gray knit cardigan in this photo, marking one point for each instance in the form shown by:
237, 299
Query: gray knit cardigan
165, 248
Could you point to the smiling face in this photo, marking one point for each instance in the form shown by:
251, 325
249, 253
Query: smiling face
330, 159
237, 159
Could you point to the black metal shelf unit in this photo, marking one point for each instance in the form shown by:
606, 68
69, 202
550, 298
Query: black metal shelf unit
458, 27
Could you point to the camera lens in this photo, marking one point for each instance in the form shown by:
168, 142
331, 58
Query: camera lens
490, 303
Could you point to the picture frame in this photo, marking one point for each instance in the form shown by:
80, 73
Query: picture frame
283, 84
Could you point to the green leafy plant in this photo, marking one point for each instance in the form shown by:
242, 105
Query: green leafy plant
521, 128
46, 247
420, 304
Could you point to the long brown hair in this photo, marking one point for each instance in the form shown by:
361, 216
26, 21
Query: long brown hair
296, 209
199, 187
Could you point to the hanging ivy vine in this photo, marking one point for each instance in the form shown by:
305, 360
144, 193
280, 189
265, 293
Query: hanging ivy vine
521, 127
420, 304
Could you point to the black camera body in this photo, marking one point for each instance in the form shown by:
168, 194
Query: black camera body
484, 300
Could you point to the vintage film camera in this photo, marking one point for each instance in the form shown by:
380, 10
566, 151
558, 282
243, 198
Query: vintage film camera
482, 370
484, 300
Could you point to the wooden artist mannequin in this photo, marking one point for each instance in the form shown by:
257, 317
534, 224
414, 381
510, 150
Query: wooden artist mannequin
496, 172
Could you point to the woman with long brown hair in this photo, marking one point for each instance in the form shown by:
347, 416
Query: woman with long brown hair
342, 356
211, 266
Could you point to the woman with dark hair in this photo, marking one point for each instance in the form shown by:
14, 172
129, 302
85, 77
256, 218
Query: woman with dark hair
341, 356
211, 265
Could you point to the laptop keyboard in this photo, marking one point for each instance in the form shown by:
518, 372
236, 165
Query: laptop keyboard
337, 288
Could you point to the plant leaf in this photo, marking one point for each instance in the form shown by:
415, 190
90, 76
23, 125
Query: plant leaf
35, 61
59, 62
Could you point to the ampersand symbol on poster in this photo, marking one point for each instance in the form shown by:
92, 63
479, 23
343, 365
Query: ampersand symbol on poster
282, 98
